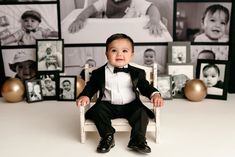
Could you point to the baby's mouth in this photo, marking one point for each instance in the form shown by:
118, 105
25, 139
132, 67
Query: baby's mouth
216, 31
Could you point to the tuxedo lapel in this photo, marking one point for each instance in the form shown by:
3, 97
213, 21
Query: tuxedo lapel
134, 76
101, 79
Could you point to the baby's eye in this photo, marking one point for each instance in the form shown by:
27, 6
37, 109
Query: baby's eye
113, 50
125, 51
20, 66
222, 23
212, 20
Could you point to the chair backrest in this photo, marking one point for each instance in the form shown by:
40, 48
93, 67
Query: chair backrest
151, 75
151, 72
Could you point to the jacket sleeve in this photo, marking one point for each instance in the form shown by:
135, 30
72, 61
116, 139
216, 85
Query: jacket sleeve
91, 87
144, 86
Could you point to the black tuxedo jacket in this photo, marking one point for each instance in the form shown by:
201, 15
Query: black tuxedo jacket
139, 82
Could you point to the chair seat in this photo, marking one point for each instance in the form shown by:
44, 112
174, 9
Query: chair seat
120, 124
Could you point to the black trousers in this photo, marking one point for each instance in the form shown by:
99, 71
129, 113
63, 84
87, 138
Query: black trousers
102, 113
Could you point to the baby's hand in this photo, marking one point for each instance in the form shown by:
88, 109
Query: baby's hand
76, 25
154, 27
83, 100
157, 100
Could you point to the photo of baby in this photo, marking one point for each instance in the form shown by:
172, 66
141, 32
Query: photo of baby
27, 23
214, 73
139, 15
211, 24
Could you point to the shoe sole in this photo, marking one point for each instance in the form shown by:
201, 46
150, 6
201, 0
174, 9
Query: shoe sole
139, 150
106, 151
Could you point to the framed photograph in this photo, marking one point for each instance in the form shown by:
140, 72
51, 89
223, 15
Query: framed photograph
164, 85
75, 58
50, 55
180, 74
49, 84
179, 52
33, 91
19, 63
129, 22
213, 52
201, 29
14, 30
67, 88
214, 74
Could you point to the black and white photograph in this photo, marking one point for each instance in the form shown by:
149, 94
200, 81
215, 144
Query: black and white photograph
67, 89
214, 75
124, 17
49, 84
212, 52
210, 23
75, 58
180, 74
179, 52
33, 91
20, 63
164, 86
50, 55
24, 24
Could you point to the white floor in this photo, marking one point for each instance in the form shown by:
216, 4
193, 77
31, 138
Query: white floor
51, 129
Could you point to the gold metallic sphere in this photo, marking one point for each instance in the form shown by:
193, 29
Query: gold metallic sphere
195, 90
80, 85
13, 90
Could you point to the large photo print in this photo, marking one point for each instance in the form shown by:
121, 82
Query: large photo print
143, 20
24, 24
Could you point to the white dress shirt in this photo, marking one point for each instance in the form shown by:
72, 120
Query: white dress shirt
118, 87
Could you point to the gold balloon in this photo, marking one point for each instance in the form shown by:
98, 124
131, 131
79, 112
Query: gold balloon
13, 90
80, 85
195, 90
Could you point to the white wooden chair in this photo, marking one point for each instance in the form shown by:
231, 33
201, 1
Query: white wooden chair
121, 124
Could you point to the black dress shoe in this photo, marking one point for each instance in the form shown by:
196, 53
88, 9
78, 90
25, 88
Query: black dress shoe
140, 147
106, 144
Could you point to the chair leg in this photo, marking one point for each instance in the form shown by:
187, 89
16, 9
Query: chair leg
82, 124
157, 125
83, 136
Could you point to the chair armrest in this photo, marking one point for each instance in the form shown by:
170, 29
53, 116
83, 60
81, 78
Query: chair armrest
156, 111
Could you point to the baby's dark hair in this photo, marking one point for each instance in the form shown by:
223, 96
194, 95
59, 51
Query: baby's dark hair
208, 66
66, 81
33, 14
149, 49
216, 7
116, 37
207, 52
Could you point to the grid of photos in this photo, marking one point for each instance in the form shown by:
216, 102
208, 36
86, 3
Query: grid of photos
59, 44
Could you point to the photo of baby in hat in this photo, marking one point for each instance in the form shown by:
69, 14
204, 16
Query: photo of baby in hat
24, 65
30, 30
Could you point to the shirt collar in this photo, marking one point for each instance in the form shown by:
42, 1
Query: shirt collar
111, 67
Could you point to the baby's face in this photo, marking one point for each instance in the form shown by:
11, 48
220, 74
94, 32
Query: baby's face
214, 25
120, 53
30, 23
48, 50
26, 70
67, 86
91, 63
148, 57
210, 77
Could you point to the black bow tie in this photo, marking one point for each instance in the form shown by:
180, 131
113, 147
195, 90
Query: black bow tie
28, 31
120, 70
